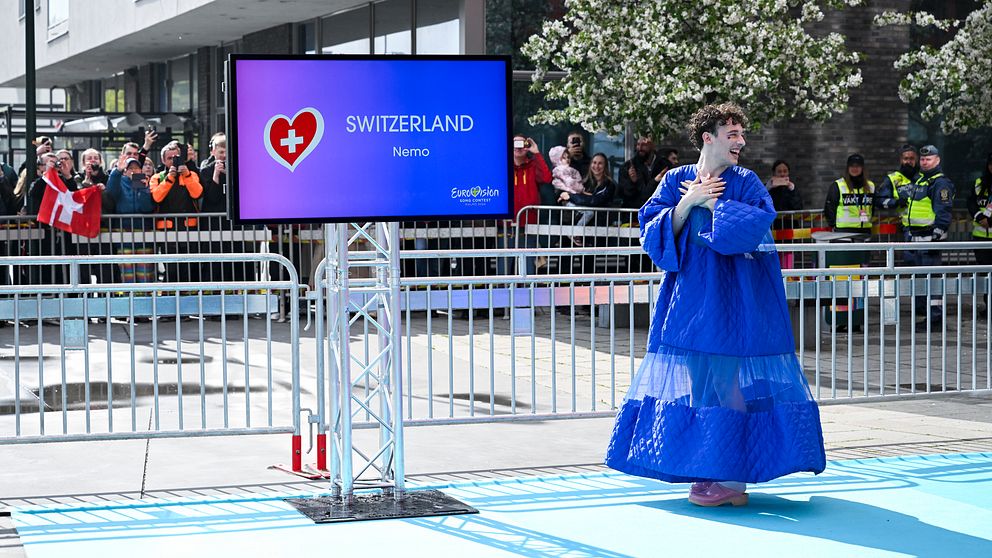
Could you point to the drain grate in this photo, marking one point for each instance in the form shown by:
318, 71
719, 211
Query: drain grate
416, 503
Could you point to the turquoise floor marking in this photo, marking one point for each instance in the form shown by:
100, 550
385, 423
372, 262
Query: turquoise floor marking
938, 506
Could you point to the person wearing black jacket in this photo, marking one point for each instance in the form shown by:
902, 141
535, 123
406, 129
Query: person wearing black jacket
8, 181
213, 178
637, 176
785, 196
600, 190
980, 207
8, 206
576, 146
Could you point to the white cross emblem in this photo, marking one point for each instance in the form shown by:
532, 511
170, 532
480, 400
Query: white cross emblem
291, 141
295, 147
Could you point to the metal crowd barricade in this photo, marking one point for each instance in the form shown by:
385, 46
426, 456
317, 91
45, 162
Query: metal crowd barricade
567, 227
896, 346
85, 361
799, 227
492, 348
538, 347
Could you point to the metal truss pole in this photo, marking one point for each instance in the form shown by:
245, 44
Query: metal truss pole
379, 377
375, 389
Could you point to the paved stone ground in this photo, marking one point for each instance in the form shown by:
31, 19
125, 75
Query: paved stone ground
535, 369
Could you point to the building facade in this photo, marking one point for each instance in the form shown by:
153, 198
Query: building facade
167, 56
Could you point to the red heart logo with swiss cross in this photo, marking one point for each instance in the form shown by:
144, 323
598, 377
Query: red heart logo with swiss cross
290, 140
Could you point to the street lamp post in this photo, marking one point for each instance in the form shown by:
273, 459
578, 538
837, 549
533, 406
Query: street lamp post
29, 92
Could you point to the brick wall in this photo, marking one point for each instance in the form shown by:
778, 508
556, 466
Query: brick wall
875, 124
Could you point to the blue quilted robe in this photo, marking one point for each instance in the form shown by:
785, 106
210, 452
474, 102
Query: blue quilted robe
720, 395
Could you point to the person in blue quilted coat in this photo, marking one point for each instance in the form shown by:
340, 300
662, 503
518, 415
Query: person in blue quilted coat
720, 399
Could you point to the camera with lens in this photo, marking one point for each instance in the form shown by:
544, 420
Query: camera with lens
177, 161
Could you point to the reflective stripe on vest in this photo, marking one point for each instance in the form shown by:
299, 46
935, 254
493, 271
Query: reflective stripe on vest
897, 179
919, 213
977, 230
851, 205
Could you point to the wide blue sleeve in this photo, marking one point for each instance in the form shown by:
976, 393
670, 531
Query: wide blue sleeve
657, 235
740, 226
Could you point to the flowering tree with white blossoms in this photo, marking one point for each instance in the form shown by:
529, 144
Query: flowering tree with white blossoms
655, 62
953, 82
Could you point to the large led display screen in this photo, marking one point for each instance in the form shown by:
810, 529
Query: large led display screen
350, 138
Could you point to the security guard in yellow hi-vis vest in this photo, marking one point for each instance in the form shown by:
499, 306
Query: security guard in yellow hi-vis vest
980, 206
887, 194
926, 218
848, 209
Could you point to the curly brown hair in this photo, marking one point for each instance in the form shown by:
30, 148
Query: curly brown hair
711, 117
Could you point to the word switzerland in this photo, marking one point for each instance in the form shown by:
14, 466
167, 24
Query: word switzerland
409, 123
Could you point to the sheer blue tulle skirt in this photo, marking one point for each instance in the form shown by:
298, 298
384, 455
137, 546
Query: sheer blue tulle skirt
692, 416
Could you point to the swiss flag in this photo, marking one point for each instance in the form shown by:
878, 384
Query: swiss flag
75, 212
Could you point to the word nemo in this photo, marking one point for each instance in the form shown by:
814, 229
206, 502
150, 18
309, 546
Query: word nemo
411, 152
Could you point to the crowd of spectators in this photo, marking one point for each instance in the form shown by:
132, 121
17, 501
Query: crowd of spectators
132, 186
175, 191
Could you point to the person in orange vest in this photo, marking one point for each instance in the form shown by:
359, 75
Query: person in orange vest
176, 189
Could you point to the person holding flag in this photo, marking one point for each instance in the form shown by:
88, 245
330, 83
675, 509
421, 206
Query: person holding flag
57, 202
64, 207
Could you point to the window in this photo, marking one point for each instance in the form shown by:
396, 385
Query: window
22, 3
58, 18
392, 27
438, 27
346, 32
113, 93
180, 95
307, 38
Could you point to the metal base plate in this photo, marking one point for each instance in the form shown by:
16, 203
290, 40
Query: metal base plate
367, 507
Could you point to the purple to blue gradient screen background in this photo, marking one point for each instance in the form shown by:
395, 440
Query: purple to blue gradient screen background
356, 174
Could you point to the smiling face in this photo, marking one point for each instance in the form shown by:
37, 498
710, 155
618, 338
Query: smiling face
597, 167
726, 144
855, 169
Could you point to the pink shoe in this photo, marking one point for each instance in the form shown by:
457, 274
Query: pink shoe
717, 495
698, 488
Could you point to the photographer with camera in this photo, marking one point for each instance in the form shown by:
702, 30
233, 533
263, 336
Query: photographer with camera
94, 176
576, 146
93, 173
529, 170
176, 189
130, 194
